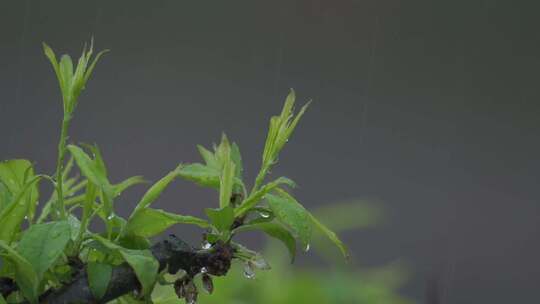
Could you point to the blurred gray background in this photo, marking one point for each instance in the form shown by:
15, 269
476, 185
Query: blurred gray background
430, 107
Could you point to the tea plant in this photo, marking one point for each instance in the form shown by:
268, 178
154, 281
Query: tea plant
56, 258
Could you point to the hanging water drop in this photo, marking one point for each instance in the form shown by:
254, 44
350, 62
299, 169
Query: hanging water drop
307, 248
260, 262
248, 271
206, 245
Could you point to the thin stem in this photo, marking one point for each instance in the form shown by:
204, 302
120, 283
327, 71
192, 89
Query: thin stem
59, 168
87, 214
260, 179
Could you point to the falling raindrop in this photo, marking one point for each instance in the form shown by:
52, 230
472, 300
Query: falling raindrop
307, 248
204, 270
248, 271
264, 214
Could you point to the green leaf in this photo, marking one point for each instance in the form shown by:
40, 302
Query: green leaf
149, 222
72, 83
14, 175
142, 262
226, 184
14, 214
25, 276
49, 53
292, 214
279, 132
2, 300
155, 191
276, 231
94, 170
222, 218
5, 196
253, 199
208, 157
99, 276
42, 244
74, 226
237, 159
125, 184
89, 168
90, 69
66, 73
202, 175
331, 236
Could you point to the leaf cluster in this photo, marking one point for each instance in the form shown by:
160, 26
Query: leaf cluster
38, 253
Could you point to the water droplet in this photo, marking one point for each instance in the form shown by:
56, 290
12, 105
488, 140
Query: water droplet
204, 270
260, 263
248, 271
307, 248
110, 217
264, 214
206, 245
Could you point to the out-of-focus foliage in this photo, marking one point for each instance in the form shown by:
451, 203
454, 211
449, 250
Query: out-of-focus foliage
322, 284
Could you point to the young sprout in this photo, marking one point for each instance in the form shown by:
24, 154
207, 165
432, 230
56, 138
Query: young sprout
71, 82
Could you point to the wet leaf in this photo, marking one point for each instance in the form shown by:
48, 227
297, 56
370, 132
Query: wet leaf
201, 175
42, 244
276, 231
127, 183
14, 214
25, 276
226, 183
222, 218
142, 262
99, 276
254, 198
155, 190
150, 222
331, 236
236, 157
14, 174
292, 214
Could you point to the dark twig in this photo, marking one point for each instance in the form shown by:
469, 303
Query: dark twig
172, 254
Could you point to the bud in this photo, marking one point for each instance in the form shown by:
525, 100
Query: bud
208, 284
